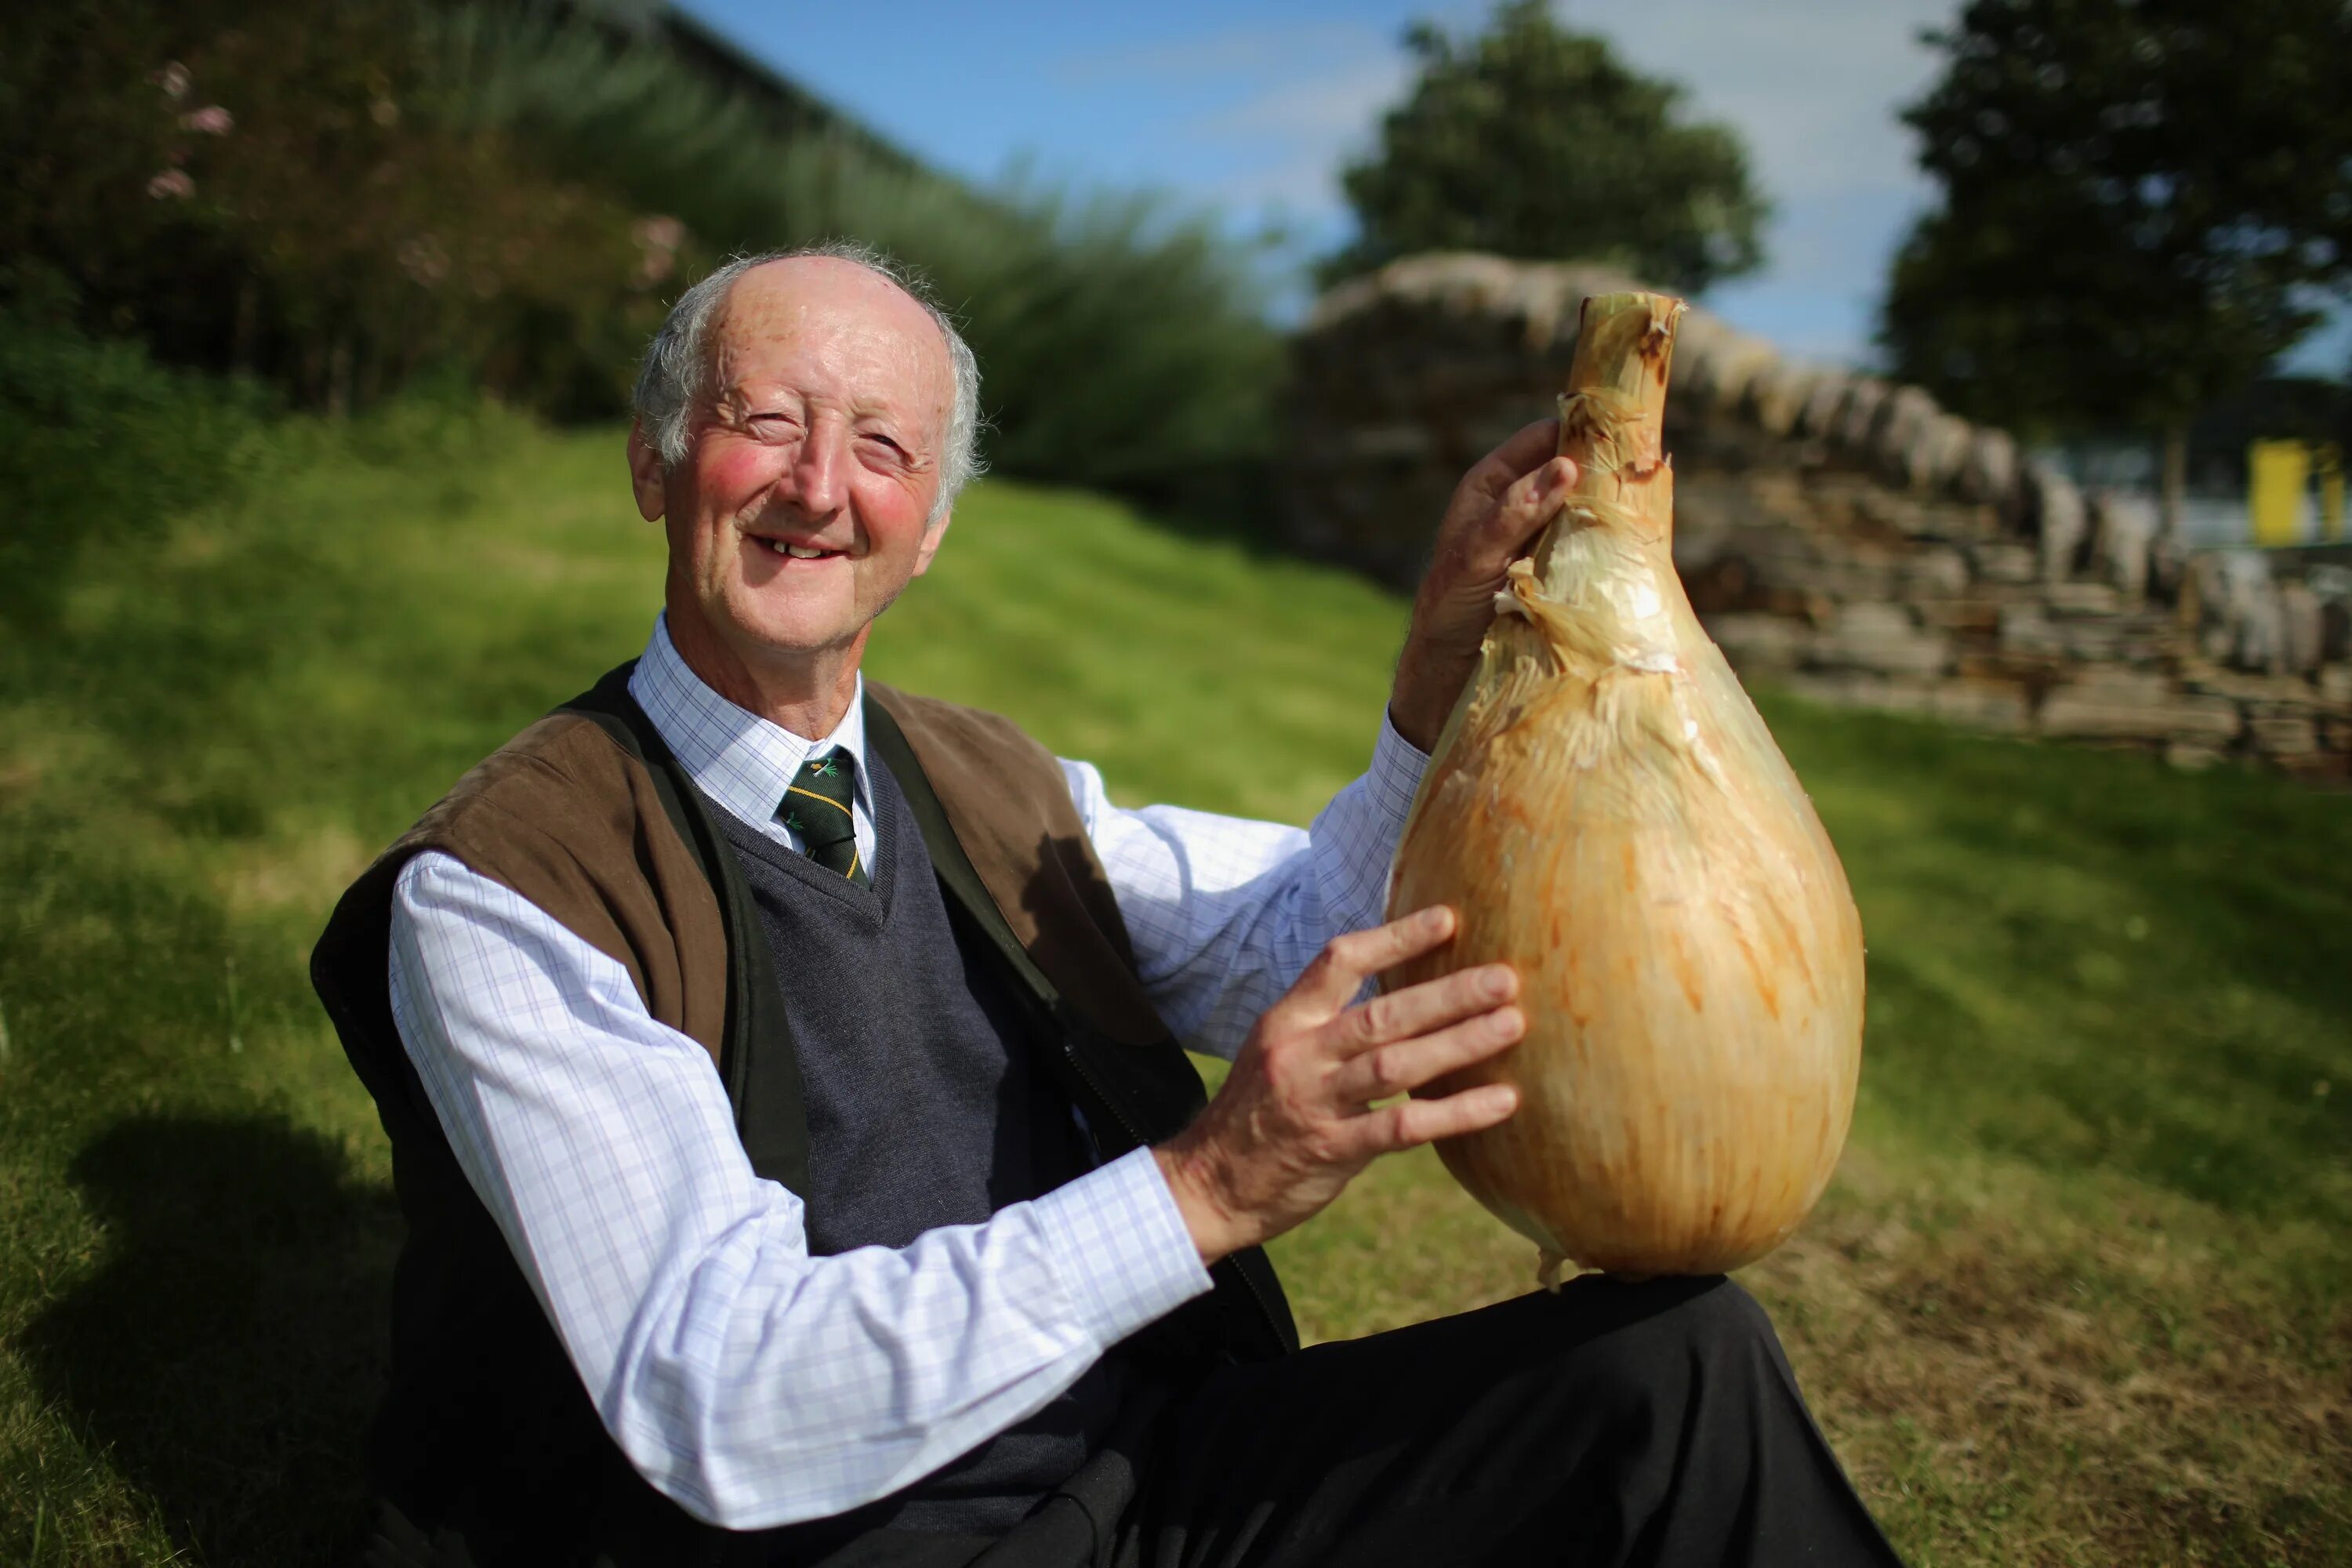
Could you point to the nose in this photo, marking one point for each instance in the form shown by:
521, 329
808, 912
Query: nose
820, 469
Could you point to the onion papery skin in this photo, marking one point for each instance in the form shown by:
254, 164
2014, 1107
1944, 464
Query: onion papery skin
1607, 812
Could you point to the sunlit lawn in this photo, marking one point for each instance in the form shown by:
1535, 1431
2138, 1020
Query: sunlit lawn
2080, 1294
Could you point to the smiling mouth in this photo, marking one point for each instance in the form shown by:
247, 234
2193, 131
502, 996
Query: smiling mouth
800, 552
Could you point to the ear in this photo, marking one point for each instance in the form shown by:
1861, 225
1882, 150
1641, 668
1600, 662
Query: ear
645, 475
932, 534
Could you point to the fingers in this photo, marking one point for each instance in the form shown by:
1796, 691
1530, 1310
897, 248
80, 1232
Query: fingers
1532, 500
1409, 1122
1524, 451
1339, 971
1418, 1009
1404, 1065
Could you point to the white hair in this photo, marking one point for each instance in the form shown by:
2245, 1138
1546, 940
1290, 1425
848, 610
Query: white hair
677, 366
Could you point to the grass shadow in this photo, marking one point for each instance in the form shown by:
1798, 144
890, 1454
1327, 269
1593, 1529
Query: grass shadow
231, 1345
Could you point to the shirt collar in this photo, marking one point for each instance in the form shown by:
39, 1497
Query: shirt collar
737, 758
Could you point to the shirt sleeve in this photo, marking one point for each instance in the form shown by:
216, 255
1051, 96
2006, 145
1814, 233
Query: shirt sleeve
751, 1383
1223, 911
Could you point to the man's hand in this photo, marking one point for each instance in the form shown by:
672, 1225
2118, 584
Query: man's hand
1495, 513
1295, 1121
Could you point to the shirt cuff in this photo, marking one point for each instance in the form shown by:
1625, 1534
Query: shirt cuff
1395, 775
1119, 1246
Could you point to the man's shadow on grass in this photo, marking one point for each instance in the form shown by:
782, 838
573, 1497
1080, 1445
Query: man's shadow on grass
231, 1345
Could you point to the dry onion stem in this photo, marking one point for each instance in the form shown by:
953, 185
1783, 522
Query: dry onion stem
1608, 813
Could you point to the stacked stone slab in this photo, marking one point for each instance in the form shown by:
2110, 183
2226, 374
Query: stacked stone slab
1841, 536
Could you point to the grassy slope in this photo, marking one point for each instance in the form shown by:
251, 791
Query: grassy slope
2078, 1295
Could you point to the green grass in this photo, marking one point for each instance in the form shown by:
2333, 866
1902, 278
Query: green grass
2079, 1294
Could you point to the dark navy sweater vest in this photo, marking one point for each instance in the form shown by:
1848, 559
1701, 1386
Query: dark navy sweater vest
927, 1107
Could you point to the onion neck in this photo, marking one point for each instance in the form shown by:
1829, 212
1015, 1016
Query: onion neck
1600, 583
1612, 421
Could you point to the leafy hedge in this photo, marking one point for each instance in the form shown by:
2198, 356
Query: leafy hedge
340, 202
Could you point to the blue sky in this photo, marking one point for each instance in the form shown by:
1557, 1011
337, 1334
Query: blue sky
1251, 109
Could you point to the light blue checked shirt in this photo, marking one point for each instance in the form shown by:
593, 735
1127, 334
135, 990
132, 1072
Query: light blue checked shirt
753, 1383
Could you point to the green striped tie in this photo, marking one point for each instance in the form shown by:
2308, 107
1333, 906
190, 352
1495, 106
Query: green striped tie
817, 807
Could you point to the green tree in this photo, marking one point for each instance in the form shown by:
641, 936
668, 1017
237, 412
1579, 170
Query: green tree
1532, 141
1122, 342
2145, 202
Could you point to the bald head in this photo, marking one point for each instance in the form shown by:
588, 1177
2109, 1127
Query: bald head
855, 290
821, 282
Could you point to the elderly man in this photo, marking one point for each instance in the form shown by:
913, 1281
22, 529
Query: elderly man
783, 1080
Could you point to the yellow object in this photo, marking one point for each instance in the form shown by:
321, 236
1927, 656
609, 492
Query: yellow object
2280, 476
1606, 812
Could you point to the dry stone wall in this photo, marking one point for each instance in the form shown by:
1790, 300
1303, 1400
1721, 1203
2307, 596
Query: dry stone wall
1841, 536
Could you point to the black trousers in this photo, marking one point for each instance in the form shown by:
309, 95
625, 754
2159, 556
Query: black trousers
1606, 1424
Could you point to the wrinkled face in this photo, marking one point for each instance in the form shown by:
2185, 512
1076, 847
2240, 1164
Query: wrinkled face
800, 512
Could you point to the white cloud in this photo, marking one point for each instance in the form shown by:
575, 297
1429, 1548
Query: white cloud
1812, 85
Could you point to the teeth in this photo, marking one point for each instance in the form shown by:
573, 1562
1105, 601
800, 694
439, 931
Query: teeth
797, 551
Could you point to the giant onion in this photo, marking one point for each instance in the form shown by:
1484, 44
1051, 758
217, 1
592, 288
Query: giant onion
1607, 812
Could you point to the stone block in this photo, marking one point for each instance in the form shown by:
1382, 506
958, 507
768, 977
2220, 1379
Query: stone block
2267, 692
2028, 629
1875, 620
1990, 471
2257, 629
1977, 705
2003, 563
1981, 705
1777, 393
1723, 377
1941, 572
1819, 417
2124, 530
1882, 638
2120, 684
2059, 519
2091, 640
1859, 413
2115, 712
2083, 598
1760, 642
1906, 411
1970, 618
2334, 630
1836, 581
2284, 735
1932, 460
1776, 497
2301, 629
